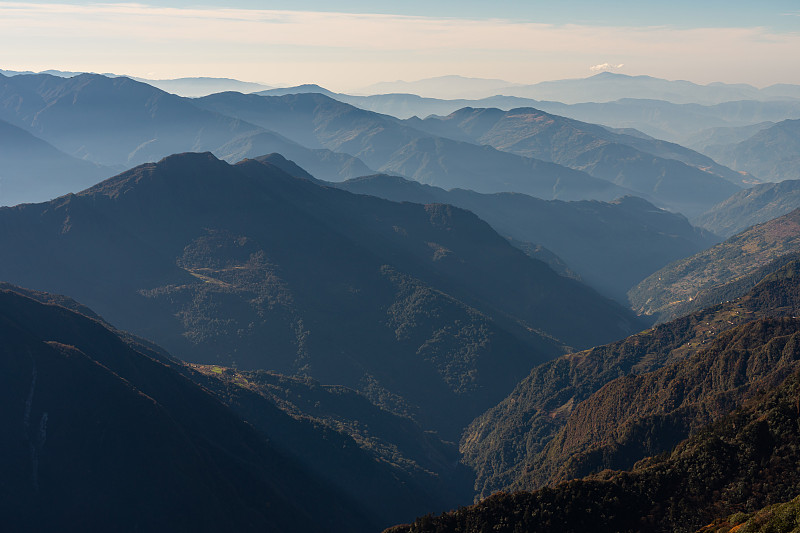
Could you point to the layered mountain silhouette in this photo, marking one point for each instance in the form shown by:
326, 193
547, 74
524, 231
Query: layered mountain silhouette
679, 123
99, 435
610, 86
714, 138
450, 86
611, 246
758, 204
33, 170
518, 443
771, 153
391, 146
673, 289
122, 122
676, 176
112, 120
425, 309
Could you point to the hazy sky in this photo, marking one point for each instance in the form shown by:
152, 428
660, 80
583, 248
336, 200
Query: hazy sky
361, 42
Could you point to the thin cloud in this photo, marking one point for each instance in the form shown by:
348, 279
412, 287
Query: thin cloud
606, 67
347, 49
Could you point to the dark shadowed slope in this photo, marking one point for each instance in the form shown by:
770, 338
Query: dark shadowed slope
99, 436
384, 465
31, 170
424, 308
611, 246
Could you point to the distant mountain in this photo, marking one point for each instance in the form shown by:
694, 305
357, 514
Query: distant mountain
190, 87
323, 163
510, 444
297, 89
743, 462
611, 246
751, 206
679, 123
674, 175
772, 154
112, 120
95, 431
441, 87
388, 145
675, 122
50, 72
715, 138
122, 122
31, 170
670, 289
216, 262
203, 86
610, 86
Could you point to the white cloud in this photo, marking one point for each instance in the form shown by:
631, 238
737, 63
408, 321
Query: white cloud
345, 50
606, 67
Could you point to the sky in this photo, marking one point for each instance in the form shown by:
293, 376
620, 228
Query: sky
349, 44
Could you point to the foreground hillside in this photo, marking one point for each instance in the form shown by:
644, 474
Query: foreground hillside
673, 289
423, 308
744, 461
522, 441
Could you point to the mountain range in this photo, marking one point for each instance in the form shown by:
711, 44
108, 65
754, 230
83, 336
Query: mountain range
609, 245
214, 262
611, 86
388, 145
694, 125
190, 87
317, 317
657, 169
125, 122
454, 153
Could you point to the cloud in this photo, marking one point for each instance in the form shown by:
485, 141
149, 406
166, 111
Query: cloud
606, 67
